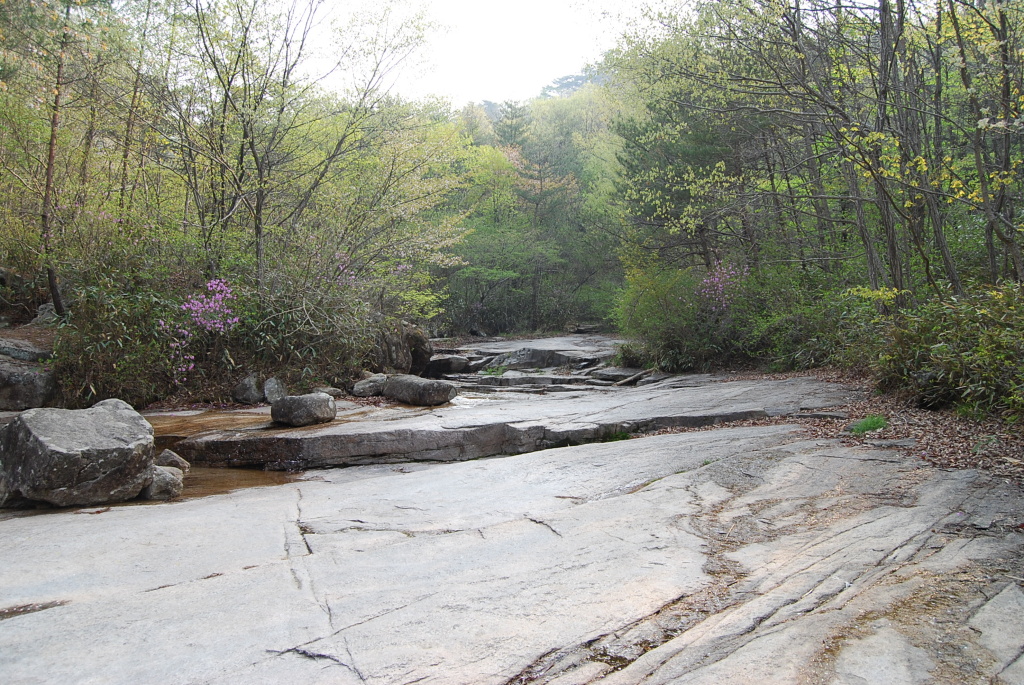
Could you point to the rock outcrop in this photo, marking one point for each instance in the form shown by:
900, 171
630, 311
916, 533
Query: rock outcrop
24, 385
403, 348
76, 457
421, 392
304, 410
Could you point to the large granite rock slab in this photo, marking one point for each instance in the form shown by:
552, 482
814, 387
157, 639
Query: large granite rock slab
743, 555
77, 457
508, 424
571, 350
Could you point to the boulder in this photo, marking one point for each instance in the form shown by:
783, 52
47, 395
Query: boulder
370, 387
77, 457
45, 315
166, 482
440, 364
403, 348
304, 410
421, 392
248, 390
420, 349
173, 459
24, 385
274, 390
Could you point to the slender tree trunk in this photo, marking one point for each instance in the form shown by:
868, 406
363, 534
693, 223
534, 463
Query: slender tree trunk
51, 164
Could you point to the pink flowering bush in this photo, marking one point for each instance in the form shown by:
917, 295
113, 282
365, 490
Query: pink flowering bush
207, 318
210, 311
720, 285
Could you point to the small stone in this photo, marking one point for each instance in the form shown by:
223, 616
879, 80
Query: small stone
173, 459
273, 390
248, 390
167, 483
336, 393
304, 410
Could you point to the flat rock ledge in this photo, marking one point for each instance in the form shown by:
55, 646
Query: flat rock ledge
508, 426
739, 555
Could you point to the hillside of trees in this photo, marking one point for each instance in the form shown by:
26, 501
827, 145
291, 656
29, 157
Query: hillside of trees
199, 191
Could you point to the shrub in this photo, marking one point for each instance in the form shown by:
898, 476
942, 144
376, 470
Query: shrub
690, 319
138, 344
966, 352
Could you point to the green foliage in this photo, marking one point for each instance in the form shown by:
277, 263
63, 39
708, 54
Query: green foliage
113, 346
962, 351
685, 319
141, 344
869, 423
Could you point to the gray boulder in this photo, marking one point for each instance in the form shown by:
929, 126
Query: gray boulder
370, 387
304, 410
402, 347
421, 392
76, 457
441, 364
24, 385
173, 459
166, 482
274, 390
45, 315
248, 390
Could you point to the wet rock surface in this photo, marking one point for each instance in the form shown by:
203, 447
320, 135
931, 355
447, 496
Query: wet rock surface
736, 555
506, 423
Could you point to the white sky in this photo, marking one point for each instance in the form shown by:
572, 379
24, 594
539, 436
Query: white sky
509, 50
